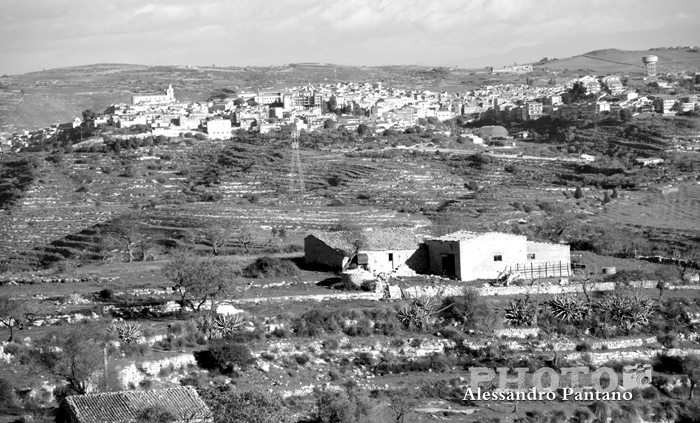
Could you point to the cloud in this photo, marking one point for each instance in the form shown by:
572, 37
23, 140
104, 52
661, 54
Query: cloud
38, 34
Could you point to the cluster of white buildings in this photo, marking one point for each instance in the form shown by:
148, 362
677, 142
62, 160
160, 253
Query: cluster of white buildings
350, 104
573, 101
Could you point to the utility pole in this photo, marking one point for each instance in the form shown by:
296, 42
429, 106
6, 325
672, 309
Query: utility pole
104, 362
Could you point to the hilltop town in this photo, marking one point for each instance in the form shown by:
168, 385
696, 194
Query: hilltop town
345, 250
378, 109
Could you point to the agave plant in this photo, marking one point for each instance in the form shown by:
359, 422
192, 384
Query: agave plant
128, 332
631, 312
569, 308
519, 312
221, 325
418, 312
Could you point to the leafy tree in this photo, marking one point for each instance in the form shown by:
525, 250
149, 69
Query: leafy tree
14, 314
625, 115
127, 229
89, 114
362, 129
202, 280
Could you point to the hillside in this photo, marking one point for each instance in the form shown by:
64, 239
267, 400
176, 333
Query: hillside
624, 61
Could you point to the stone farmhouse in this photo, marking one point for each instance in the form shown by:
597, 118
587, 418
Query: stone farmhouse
122, 407
472, 255
378, 250
464, 255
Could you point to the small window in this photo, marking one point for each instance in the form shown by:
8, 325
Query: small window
531, 256
391, 256
498, 258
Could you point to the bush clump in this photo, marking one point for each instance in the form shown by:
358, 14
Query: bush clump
227, 355
270, 267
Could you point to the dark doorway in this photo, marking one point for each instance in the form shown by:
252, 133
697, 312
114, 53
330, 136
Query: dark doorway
448, 265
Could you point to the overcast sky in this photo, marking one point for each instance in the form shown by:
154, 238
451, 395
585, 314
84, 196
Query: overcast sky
37, 34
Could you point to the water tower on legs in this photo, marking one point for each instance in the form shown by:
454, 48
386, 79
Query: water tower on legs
650, 65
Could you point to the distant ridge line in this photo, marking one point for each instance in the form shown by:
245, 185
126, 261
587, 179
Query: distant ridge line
612, 61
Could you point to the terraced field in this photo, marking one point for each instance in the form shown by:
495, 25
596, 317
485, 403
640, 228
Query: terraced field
678, 210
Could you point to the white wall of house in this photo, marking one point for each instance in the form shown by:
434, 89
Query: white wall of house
386, 261
486, 256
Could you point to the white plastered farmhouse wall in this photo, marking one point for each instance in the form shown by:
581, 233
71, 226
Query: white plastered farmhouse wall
549, 253
379, 260
477, 255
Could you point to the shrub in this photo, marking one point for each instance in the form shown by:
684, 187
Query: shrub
583, 346
472, 185
470, 310
155, 414
362, 328
227, 354
270, 267
106, 294
342, 407
302, 359
146, 384
453, 334
331, 344
668, 340
230, 405
7, 394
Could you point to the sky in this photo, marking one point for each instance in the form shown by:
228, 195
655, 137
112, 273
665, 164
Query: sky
44, 34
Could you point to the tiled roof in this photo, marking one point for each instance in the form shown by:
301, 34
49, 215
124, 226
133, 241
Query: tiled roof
118, 407
465, 235
380, 239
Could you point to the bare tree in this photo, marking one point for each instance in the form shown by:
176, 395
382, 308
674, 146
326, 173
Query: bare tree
73, 354
150, 248
691, 367
687, 259
244, 236
217, 233
14, 314
402, 402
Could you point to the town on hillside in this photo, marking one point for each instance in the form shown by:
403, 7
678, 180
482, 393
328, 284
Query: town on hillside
525, 250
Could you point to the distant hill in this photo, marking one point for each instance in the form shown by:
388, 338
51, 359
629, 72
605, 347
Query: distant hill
614, 60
